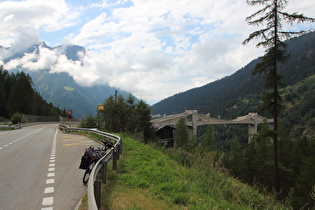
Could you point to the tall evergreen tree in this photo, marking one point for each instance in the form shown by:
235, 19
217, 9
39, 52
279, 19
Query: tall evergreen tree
272, 17
208, 141
234, 159
130, 114
142, 120
109, 113
121, 116
181, 133
306, 179
2, 93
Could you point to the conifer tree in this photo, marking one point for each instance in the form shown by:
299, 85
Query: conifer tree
109, 113
2, 93
208, 141
306, 179
130, 114
142, 120
181, 135
272, 17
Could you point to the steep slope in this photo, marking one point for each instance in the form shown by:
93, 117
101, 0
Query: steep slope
216, 97
61, 90
173, 179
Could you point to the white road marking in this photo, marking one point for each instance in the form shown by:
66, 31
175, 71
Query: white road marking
48, 201
47, 208
50, 174
49, 190
50, 181
19, 139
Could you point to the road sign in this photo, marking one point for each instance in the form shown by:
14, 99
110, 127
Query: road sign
100, 107
69, 112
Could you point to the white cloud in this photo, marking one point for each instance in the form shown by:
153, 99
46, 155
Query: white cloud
20, 21
159, 48
153, 49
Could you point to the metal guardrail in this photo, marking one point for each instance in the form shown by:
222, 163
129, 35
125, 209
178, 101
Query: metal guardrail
100, 168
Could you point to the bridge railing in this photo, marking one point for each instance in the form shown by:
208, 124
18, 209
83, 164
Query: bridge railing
99, 171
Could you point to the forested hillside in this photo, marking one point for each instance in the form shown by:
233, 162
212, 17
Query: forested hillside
219, 96
63, 91
17, 96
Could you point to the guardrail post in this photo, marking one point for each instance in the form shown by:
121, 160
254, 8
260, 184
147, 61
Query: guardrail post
121, 146
104, 172
118, 151
114, 159
97, 192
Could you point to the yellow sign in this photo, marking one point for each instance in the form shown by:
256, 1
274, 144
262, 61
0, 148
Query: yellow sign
100, 107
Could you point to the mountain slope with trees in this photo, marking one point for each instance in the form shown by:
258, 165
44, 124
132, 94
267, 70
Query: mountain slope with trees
219, 96
17, 96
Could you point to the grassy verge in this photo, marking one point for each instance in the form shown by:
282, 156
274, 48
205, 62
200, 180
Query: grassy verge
148, 178
6, 129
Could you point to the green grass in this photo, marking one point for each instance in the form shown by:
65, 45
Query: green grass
149, 178
5, 129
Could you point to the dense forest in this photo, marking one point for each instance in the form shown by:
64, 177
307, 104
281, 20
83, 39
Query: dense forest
18, 97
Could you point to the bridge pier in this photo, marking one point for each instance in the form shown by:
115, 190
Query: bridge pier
252, 130
194, 122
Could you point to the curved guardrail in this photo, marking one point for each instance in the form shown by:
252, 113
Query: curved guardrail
100, 168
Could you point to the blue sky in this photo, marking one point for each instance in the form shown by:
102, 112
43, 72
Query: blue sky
151, 48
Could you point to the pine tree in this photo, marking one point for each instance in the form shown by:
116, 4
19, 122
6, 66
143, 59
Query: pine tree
273, 16
109, 113
208, 141
234, 159
181, 134
2, 93
306, 180
130, 114
121, 116
142, 120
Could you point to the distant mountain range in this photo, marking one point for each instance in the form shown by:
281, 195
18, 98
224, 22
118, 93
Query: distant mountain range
219, 97
60, 89
216, 98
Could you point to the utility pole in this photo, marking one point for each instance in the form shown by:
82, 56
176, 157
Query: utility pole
116, 93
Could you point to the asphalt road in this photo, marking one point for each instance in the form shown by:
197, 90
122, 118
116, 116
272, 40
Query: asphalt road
39, 168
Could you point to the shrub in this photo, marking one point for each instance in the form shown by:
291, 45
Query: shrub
88, 122
16, 118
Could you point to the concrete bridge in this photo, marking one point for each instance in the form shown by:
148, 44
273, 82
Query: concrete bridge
194, 119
